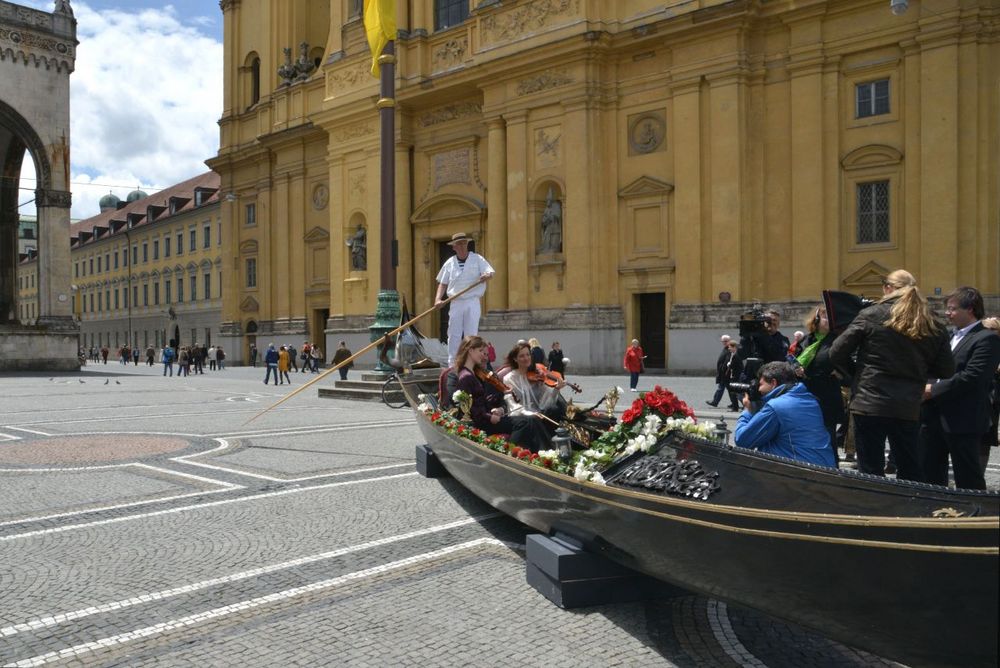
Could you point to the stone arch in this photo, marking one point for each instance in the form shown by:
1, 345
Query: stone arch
34, 84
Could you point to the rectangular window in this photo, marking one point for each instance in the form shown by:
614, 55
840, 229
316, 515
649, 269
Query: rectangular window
107, 299
251, 214
252, 272
872, 98
76, 270
125, 297
135, 255
156, 249
180, 243
218, 236
98, 264
107, 262
167, 284
873, 212
91, 302
206, 285
207, 241
180, 290
193, 280
99, 307
156, 293
135, 295
193, 234
166, 246
117, 300
145, 252
449, 13
145, 294
91, 265
116, 259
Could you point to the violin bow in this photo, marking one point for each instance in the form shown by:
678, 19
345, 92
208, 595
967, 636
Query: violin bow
371, 345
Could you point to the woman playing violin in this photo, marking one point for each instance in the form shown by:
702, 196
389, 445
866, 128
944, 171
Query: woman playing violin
487, 408
535, 391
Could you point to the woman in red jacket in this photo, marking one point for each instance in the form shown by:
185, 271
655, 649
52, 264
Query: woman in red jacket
633, 363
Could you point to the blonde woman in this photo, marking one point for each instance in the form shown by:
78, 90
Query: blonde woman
899, 345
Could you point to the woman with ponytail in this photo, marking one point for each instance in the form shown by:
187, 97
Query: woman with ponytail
899, 344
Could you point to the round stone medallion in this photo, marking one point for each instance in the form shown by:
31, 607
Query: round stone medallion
92, 449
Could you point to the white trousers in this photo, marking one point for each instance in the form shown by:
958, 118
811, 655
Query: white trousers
463, 320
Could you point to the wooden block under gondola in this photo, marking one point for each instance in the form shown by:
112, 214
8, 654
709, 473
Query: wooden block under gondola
428, 464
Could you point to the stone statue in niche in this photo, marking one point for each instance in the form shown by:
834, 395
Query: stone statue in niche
359, 249
551, 225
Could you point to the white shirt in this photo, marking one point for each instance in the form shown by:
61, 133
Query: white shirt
458, 275
959, 334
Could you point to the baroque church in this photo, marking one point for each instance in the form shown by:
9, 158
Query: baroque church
632, 169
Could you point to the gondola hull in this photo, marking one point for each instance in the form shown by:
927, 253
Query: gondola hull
861, 560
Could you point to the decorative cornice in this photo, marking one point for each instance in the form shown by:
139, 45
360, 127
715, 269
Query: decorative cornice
544, 81
449, 112
532, 17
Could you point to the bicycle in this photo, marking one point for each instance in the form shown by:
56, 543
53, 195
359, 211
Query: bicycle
392, 392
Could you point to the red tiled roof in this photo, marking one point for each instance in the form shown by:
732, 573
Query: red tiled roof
182, 191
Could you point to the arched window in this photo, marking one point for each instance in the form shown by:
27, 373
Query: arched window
255, 81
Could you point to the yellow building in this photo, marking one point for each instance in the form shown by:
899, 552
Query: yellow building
148, 270
702, 154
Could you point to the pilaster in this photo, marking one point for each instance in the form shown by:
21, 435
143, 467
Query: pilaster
686, 98
517, 208
496, 206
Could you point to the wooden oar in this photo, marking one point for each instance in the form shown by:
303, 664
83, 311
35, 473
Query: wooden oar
364, 350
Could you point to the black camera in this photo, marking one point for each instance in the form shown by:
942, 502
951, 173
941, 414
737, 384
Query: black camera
754, 321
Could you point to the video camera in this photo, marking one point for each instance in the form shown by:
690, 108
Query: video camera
753, 331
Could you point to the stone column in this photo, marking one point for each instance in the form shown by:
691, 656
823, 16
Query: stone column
496, 205
518, 228
727, 151
688, 189
55, 301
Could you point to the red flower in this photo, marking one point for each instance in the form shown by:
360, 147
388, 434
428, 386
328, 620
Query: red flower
435, 416
476, 433
547, 462
534, 456
631, 415
460, 430
523, 454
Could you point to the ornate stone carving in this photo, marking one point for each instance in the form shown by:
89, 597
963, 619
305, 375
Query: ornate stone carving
451, 167
60, 199
32, 17
354, 132
320, 196
547, 145
530, 17
646, 132
545, 80
303, 66
450, 54
359, 249
249, 305
450, 112
552, 223
287, 72
351, 76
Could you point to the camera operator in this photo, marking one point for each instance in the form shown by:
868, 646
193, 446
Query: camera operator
789, 422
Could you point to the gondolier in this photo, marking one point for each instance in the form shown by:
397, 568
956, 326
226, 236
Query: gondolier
460, 271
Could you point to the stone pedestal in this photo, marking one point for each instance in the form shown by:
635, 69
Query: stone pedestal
562, 571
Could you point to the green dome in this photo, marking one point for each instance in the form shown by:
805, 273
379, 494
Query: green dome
109, 202
135, 195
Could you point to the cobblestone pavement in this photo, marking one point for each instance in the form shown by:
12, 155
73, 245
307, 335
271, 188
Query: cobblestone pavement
144, 521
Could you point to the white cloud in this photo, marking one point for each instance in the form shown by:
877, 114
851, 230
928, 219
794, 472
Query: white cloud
145, 99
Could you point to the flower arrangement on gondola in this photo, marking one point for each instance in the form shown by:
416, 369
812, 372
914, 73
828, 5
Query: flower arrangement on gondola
642, 425
650, 417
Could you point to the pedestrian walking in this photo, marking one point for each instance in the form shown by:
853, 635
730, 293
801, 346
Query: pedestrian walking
633, 363
253, 355
271, 362
284, 362
168, 360
341, 354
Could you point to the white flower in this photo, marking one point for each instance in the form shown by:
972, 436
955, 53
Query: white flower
597, 478
424, 408
459, 396
548, 454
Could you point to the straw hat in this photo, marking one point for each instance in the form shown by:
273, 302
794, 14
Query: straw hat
459, 237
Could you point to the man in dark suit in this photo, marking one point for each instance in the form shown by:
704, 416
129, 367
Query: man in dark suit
955, 413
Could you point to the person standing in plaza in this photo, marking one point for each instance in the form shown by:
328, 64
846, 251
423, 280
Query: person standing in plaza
305, 356
284, 362
150, 355
720, 368
315, 357
220, 357
557, 361
253, 355
899, 345
183, 362
341, 354
293, 363
956, 410
459, 272
271, 362
168, 360
211, 358
633, 363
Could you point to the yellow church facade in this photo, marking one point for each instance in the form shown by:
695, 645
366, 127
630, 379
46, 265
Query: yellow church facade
695, 157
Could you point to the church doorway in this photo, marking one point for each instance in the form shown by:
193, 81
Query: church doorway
653, 328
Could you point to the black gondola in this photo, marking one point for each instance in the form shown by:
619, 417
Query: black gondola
904, 570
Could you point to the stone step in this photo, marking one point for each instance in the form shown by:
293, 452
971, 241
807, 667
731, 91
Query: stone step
355, 393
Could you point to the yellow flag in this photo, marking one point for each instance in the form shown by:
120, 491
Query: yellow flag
380, 26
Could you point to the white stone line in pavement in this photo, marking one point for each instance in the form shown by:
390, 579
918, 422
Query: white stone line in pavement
318, 476
211, 481
30, 431
222, 487
62, 617
153, 416
722, 629
199, 619
9, 437
319, 430
200, 506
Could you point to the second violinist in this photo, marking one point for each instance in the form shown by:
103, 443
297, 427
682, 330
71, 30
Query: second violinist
533, 396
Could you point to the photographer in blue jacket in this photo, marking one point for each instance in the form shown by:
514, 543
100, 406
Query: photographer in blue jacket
789, 423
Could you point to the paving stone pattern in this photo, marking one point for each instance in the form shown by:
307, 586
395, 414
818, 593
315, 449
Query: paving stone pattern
147, 521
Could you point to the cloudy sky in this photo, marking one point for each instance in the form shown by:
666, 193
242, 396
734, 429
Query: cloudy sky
145, 97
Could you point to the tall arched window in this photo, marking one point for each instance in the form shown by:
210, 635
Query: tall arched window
255, 81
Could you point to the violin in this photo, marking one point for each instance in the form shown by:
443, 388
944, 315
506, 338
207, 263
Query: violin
490, 378
539, 374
